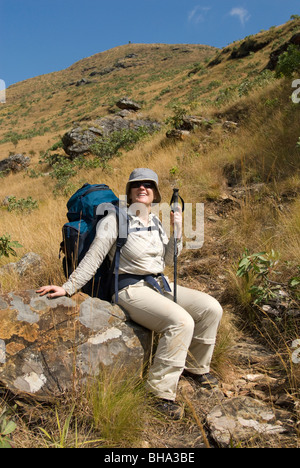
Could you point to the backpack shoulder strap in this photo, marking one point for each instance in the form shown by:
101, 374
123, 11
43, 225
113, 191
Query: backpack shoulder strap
123, 228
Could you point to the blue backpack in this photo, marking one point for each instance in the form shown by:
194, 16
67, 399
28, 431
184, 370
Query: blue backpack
79, 233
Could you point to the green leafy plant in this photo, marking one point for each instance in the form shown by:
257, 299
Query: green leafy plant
7, 247
177, 120
7, 427
23, 205
107, 147
288, 62
256, 269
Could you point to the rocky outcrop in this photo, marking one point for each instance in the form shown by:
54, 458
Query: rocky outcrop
128, 104
28, 262
46, 346
187, 124
14, 163
274, 57
80, 139
250, 44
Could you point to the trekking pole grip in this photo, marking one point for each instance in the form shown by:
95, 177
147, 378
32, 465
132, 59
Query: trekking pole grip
174, 205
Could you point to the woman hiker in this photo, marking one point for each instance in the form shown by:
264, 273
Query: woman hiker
187, 327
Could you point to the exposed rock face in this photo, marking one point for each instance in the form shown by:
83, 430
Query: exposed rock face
79, 140
14, 163
274, 57
48, 345
129, 104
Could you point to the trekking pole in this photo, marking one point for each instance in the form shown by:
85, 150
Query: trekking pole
174, 206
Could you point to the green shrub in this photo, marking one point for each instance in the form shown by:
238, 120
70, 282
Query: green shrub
23, 205
288, 62
177, 120
260, 266
107, 147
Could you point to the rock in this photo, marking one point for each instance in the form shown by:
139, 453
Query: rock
104, 71
124, 113
14, 163
248, 352
22, 267
126, 103
83, 82
177, 134
240, 419
190, 122
274, 56
230, 126
79, 140
47, 346
250, 44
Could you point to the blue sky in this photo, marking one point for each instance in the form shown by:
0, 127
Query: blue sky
42, 36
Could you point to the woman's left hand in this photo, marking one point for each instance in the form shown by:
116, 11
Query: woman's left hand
176, 222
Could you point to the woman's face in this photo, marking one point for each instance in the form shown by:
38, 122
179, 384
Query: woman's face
142, 192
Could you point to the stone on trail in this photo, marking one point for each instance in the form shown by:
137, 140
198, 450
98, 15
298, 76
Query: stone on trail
240, 419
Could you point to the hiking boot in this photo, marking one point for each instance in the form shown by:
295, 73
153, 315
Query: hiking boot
204, 380
170, 409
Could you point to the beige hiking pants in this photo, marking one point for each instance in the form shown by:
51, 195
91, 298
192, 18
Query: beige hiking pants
187, 331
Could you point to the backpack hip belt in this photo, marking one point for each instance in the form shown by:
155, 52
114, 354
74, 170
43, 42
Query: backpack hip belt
125, 280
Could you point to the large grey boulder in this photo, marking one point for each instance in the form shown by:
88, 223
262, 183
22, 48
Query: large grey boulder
47, 346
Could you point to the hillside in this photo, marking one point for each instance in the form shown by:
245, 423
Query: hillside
241, 161
156, 75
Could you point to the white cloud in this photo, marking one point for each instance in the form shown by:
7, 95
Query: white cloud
241, 13
197, 15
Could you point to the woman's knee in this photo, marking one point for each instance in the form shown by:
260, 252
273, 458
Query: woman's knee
183, 323
216, 310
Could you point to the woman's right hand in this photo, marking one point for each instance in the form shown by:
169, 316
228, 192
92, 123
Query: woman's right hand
56, 291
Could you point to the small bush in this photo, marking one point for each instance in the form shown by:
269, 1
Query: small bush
23, 205
288, 62
177, 120
107, 147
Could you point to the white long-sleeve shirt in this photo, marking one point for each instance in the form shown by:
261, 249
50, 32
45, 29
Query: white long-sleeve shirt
145, 252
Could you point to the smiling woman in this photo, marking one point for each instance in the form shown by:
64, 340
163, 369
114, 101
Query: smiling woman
187, 326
